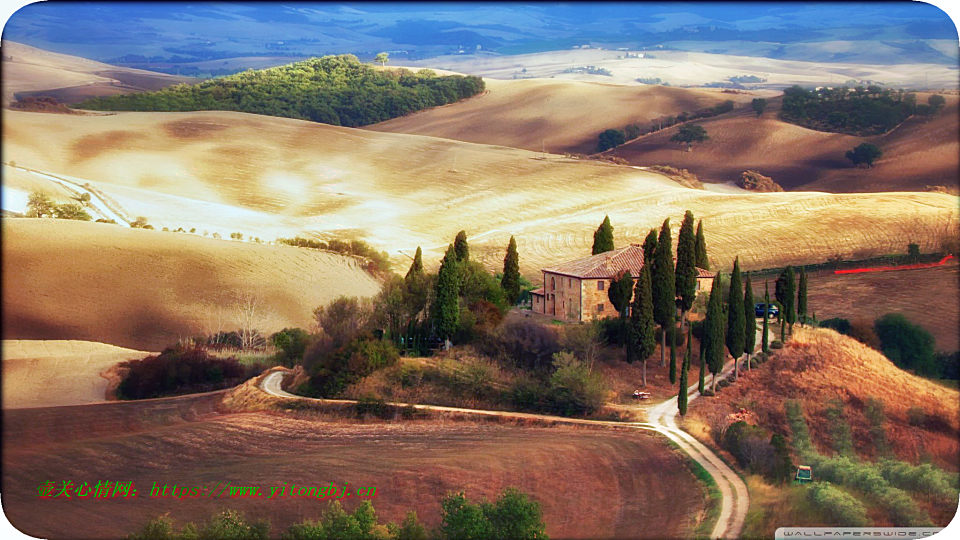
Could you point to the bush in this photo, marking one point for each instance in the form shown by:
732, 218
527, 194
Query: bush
574, 388
840, 325
843, 509
681, 337
907, 345
750, 446
522, 344
181, 370
527, 394
371, 405
334, 371
513, 516
776, 344
291, 344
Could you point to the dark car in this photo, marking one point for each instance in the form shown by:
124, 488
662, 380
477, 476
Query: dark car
773, 310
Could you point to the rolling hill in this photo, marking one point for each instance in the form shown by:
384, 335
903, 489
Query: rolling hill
32, 71
146, 289
271, 177
920, 152
555, 114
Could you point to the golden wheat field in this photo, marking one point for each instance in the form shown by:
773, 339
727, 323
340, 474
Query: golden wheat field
270, 177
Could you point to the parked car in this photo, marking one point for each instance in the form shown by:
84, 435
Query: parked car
774, 310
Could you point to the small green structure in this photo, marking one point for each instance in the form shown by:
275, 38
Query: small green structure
804, 475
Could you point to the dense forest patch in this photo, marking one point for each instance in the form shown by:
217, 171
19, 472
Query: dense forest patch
337, 90
858, 111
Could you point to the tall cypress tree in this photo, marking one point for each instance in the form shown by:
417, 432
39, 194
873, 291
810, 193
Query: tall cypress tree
790, 293
735, 333
664, 287
765, 346
510, 282
603, 237
447, 307
701, 251
686, 273
802, 296
461, 247
650, 247
620, 293
642, 342
749, 321
416, 268
682, 395
713, 330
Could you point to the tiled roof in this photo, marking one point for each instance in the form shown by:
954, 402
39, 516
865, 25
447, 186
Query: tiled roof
603, 265
537, 291
701, 273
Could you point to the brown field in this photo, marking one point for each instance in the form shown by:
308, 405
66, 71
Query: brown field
919, 153
145, 289
412, 465
818, 365
272, 177
31, 71
928, 297
55, 373
548, 113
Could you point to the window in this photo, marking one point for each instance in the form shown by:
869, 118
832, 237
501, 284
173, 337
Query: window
553, 283
569, 282
599, 306
600, 285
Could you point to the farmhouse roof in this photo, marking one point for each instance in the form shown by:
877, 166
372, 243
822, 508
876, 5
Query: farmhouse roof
538, 292
603, 265
701, 273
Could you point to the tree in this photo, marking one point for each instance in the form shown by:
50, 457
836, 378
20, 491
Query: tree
689, 134
631, 131
446, 319
788, 308
907, 345
749, 321
610, 138
783, 467
253, 314
664, 287
71, 211
620, 293
416, 268
461, 247
682, 395
864, 154
510, 282
937, 102
802, 296
686, 272
641, 341
703, 367
735, 330
40, 205
913, 251
701, 251
758, 104
383, 58
603, 237
650, 247
765, 346
713, 331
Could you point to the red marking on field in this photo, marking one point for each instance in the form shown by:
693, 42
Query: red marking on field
917, 266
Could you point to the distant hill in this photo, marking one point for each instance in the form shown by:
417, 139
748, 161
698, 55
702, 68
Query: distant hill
336, 90
553, 114
29, 71
921, 152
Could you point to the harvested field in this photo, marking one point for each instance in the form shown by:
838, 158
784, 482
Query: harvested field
55, 373
412, 465
920, 152
146, 289
272, 177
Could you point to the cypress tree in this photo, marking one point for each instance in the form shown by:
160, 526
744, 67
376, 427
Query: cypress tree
650, 247
701, 251
802, 296
735, 333
461, 247
664, 287
682, 395
510, 283
703, 368
641, 342
447, 307
749, 321
686, 273
603, 237
713, 331
790, 293
766, 315
620, 293
416, 268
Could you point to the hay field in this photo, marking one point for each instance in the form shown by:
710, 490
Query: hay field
29, 69
692, 68
56, 373
818, 365
412, 465
918, 153
267, 177
145, 289
555, 114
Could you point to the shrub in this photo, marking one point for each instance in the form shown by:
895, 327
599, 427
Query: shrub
750, 446
522, 344
776, 344
527, 393
907, 345
514, 515
181, 370
334, 371
291, 344
371, 405
843, 509
574, 388
840, 325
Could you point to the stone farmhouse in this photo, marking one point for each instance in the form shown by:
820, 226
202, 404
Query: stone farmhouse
578, 290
